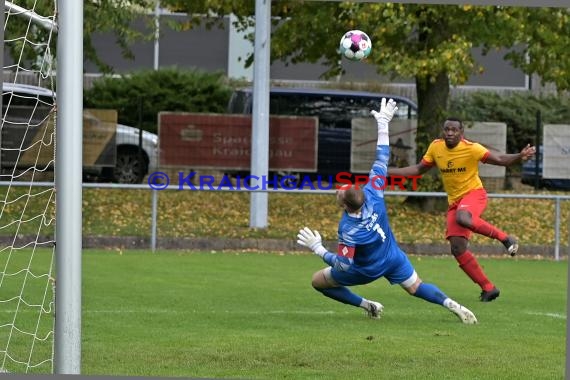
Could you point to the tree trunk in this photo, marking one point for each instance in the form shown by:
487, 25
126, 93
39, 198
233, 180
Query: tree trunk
433, 94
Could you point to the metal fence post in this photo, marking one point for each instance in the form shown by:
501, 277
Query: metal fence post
154, 212
557, 230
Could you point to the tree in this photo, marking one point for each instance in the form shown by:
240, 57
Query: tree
114, 16
431, 43
99, 17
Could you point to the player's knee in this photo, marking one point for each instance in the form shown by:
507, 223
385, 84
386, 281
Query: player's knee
464, 219
318, 281
411, 291
458, 247
413, 288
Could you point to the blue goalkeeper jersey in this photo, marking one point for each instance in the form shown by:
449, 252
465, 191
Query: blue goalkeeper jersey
369, 234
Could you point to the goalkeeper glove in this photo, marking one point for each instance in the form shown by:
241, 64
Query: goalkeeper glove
387, 110
311, 240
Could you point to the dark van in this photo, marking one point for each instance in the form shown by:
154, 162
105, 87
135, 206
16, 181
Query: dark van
335, 110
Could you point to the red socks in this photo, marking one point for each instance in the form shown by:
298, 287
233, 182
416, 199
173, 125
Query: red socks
468, 263
484, 228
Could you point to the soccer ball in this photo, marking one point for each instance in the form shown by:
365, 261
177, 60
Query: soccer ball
355, 45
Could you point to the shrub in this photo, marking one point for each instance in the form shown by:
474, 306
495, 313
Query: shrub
140, 96
518, 111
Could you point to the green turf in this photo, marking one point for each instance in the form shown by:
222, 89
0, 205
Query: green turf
255, 316
252, 315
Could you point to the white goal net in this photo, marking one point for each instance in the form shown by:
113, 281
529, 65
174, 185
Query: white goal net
27, 192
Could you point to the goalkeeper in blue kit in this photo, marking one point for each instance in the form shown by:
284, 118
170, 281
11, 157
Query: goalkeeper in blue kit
367, 249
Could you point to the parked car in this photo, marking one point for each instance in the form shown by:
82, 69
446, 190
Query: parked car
335, 110
528, 175
117, 153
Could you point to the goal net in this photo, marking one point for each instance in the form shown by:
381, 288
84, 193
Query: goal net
27, 192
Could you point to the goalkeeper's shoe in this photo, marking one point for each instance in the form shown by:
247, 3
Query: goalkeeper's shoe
464, 314
511, 245
375, 309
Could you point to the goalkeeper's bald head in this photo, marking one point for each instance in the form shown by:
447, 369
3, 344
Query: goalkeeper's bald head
351, 198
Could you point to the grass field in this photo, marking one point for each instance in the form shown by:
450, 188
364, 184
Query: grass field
255, 315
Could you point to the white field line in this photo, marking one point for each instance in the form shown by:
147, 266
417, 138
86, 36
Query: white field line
256, 312
247, 312
551, 315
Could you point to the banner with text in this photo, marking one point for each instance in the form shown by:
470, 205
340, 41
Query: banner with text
220, 141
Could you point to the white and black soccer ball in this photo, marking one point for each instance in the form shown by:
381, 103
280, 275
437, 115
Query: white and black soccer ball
355, 45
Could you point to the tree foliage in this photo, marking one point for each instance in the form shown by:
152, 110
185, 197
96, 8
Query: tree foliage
112, 16
412, 39
102, 16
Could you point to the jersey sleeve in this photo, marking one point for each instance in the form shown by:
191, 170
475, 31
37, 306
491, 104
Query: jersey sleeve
480, 152
378, 173
429, 157
344, 258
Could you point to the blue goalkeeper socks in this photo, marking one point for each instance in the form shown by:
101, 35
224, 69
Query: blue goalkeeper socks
430, 293
342, 294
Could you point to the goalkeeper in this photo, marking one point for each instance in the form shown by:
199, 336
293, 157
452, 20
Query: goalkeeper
367, 249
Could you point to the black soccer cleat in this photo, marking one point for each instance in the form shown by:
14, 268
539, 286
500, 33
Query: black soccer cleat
511, 244
490, 295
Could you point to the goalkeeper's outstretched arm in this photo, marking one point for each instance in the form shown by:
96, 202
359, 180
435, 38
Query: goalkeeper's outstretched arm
313, 241
383, 118
379, 170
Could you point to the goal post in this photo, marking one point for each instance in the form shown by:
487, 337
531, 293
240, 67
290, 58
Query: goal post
68, 184
37, 276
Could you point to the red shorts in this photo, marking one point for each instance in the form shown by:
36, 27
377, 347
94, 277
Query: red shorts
475, 202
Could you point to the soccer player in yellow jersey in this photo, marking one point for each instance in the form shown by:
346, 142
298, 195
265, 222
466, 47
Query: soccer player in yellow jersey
457, 160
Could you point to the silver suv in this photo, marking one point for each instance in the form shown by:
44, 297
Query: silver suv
111, 151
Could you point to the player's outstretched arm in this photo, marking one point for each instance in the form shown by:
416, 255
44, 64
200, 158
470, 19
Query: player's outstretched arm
407, 171
383, 117
509, 159
313, 241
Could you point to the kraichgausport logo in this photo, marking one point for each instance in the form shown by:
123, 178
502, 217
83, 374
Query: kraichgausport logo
342, 180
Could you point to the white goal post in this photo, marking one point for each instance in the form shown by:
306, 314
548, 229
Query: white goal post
68, 182
33, 337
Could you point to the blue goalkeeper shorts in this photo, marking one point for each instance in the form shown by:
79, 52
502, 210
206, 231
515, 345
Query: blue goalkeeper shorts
396, 270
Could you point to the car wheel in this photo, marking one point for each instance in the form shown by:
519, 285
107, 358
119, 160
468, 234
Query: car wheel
130, 167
